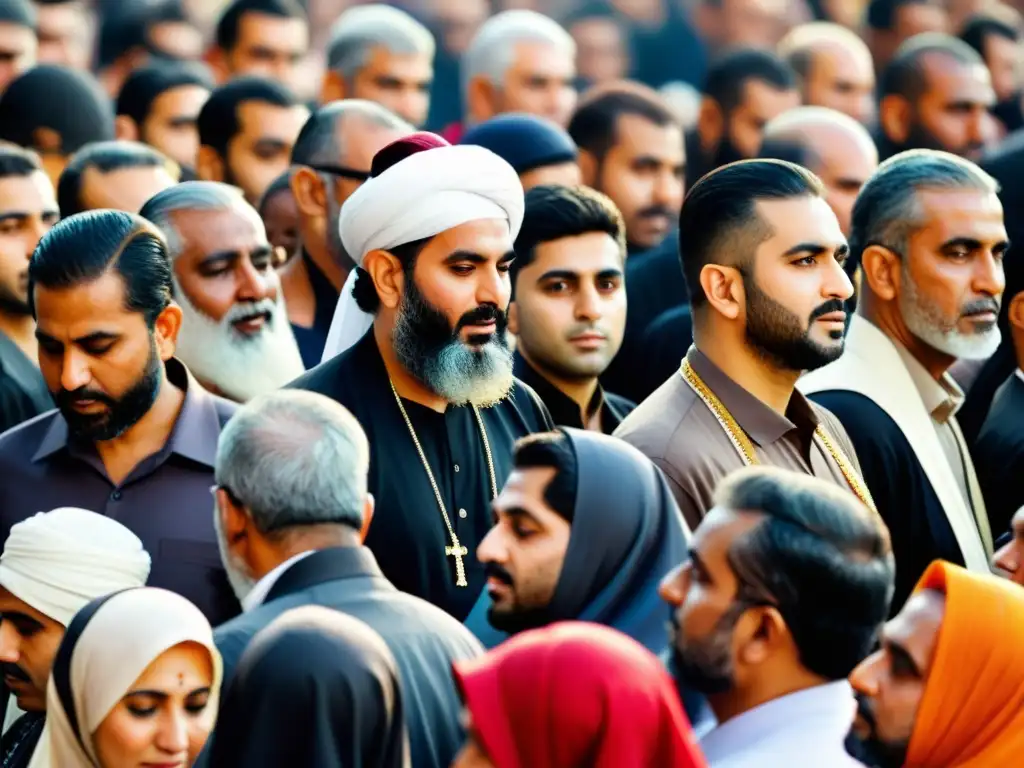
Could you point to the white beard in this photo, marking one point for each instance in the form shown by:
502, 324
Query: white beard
240, 367
927, 323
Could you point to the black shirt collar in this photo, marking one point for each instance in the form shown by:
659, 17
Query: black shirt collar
565, 411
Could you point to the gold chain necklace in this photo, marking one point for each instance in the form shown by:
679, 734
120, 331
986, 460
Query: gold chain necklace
745, 447
456, 550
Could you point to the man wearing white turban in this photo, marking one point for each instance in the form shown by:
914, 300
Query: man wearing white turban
52, 565
420, 355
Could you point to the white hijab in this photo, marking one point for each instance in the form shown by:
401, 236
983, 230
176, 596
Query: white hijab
108, 645
418, 197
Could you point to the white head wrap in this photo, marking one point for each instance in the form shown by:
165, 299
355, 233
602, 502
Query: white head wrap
59, 561
420, 196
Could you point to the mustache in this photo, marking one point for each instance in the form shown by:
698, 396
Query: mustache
655, 211
830, 306
865, 712
243, 310
64, 398
485, 313
980, 305
14, 672
495, 571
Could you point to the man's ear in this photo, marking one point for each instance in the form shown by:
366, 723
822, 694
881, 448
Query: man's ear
894, 118
880, 271
723, 287
589, 167
333, 87
166, 329
388, 276
234, 520
125, 128
217, 60
209, 164
1016, 312
309, 192
513, 318
482, 99
710, 124
368, 507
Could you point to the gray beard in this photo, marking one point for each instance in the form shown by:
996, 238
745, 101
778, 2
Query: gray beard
240, 367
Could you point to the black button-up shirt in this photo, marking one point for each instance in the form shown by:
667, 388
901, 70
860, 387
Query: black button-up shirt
565, 411
165, 500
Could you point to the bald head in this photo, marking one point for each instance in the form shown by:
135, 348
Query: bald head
834, 66
835, 147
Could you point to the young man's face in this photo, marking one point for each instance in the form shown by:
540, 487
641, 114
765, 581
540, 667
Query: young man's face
28, 646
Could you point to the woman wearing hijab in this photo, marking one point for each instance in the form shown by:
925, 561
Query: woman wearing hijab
134, 682
315, 689
626, 533
573, 695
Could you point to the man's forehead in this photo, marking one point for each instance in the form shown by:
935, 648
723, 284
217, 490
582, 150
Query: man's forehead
266, 28
271, 121
640, 135
805, 219
234, 228
542, 58
960, 80
916, 627
721, 527
585, 254
967, 212
31, 193
485, 237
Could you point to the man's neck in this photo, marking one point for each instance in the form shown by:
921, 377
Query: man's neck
313, 538
736, 702
407, 385
580, 391
145, 437
21, 329
770, 385
888, 320
327, 264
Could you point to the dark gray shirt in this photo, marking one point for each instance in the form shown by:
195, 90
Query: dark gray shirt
165, 500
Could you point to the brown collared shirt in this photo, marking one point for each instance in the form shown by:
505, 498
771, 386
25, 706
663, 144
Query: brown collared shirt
680, 434
165, 500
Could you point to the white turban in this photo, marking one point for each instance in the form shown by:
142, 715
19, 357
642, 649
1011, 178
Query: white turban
418, 197
59, 561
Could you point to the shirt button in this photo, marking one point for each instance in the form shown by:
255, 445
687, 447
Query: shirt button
116, 495
456, 467
462, 513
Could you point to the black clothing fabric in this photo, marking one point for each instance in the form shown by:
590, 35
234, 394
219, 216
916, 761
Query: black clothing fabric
19, 743
564, 410
999, 455
312, 340
900, 488
408, 534
669, 51
23, 393
654, 284
315, 689
664, 346
627, 534
425, 640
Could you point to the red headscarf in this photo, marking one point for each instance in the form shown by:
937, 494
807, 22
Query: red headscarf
575, 693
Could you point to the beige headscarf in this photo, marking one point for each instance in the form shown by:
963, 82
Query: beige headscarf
107, 646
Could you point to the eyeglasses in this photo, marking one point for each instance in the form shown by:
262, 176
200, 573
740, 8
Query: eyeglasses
342, 171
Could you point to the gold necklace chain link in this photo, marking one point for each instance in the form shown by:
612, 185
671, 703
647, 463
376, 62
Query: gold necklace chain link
456, 550
745, 447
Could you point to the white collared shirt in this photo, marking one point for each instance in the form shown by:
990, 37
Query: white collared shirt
807, 729
259, 593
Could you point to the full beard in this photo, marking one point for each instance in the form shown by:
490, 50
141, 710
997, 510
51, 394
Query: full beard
705, 665
927, 322
241, 367
430, 350
778, 335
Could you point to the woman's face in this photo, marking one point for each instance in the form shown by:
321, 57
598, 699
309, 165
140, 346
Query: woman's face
163, 720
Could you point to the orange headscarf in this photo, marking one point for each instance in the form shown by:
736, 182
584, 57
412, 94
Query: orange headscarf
972, 710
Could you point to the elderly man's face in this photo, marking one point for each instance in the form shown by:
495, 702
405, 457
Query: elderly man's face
539, 82
28, 646
842, 78
890, 683
400, 82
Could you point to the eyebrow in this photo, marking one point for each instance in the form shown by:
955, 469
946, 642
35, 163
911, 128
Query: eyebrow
898, 650
164, 694
181, 120
92, 337
9, 215
18, 616
265, 143
519, 513
476, 258
699, 563
816, 249
972, 244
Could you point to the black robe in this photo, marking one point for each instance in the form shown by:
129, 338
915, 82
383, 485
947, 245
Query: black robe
999, 455
23, 393
918, 525
315, 689
19, 743
408, 534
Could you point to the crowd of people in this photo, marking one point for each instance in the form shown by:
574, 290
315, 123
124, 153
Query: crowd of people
512, 383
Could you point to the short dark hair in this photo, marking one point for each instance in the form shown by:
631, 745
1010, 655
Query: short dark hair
84, 247
18, 12
230, 22
719, 214
905, 75
820, 557
729, 74
980, 26
64, 100
594, 124
16, 162
554, 450
218, 119
789, 150
105, 156
881, 14
281, 184
145, 84
554, 211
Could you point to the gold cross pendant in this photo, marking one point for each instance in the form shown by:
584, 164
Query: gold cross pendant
458, 552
